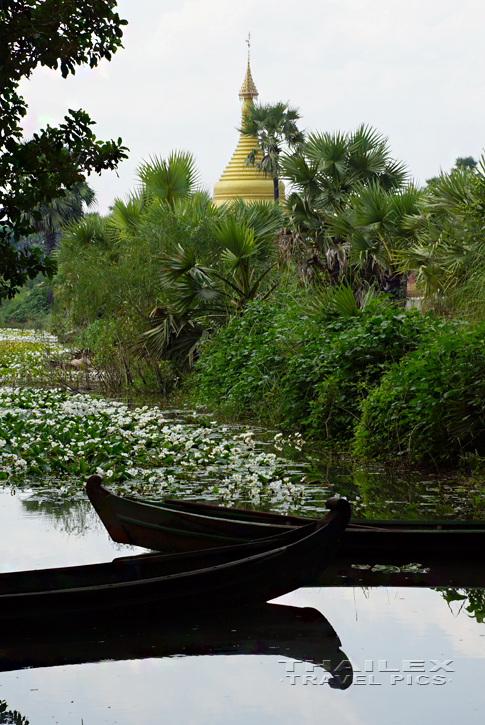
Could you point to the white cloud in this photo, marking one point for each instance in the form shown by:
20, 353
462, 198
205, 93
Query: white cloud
413, 70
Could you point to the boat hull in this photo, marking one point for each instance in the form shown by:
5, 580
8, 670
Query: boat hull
189, 526
232, 576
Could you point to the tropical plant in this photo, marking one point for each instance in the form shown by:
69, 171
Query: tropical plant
466, 162
167, 249
125, 215
342, 300
330, 172
197, 296
430, 408
372, 227
309, 369
54, 35
446, 251
273, 127
170, 179
48, 219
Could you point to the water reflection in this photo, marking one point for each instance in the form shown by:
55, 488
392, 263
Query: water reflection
293, 633
71, 517
11, 717
471, 601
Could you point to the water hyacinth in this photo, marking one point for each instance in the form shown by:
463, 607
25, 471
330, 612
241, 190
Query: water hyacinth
24, 354
55, 439
52, 440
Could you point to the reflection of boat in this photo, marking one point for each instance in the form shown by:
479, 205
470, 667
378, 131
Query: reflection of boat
268, 629
391, 571
185, 525
246, 573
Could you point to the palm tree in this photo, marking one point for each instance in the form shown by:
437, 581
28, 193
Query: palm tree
374, 228
273, 127
49, 218
126, 214
197, 296
171, 179
446, 253
326, 173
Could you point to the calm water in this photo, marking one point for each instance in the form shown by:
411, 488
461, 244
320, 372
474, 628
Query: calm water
274, 665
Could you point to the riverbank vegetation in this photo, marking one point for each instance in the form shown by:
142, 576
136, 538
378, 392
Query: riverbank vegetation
294, 315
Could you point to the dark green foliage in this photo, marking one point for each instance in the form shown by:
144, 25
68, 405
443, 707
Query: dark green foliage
431, 407
11, 717
312, 371
466, 162
399, 386
30, 307
49, 218
241, 367
331, 374
56, 35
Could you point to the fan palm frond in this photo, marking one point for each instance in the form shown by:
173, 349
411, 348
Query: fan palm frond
170, 179
91, 230
126, 214
263, 217
171, 335
329, 152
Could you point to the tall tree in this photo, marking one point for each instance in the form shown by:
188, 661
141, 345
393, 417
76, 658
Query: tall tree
57, 35
273, 128
326, 173
466, 162
58, 212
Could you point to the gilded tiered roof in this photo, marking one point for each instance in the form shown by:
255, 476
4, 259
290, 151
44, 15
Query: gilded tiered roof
248, 88
237, 179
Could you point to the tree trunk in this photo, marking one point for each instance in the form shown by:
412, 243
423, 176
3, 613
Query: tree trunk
50, 242
276, 190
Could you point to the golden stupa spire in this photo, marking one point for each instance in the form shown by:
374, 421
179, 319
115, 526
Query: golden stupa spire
248, 89
238, 180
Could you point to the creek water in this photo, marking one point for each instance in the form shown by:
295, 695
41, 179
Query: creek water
403, 653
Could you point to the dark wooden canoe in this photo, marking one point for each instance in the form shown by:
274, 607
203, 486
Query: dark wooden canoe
302, 634
229, 576
173, 525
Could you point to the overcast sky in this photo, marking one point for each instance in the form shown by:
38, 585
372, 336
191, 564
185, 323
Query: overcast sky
413, 69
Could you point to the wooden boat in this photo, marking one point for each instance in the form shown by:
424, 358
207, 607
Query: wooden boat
302, 634
173, 525
228, 576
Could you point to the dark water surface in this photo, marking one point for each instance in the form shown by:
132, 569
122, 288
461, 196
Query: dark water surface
275, 664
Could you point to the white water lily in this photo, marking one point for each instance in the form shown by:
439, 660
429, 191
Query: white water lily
55, 439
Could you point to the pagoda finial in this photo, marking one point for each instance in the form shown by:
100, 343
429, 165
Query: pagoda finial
248, 89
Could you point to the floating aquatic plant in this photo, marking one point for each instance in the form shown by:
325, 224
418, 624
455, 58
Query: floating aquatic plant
52, 438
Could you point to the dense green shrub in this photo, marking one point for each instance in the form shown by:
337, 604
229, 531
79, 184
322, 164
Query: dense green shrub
241, 367
330, 374
431, 407
29, 308
312, 371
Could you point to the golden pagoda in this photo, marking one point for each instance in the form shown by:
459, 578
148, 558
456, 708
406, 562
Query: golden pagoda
239, 180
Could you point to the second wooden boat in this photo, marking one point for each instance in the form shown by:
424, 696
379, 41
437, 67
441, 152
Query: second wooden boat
173, 525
